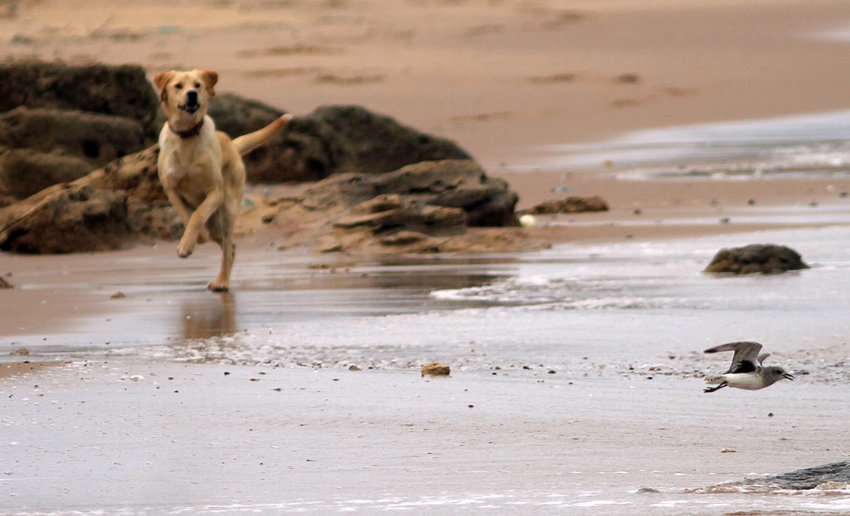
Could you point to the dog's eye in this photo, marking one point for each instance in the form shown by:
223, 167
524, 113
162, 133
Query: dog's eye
197, 85
178, 86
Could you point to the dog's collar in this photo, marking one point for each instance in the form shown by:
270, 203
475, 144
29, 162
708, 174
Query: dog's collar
189, 133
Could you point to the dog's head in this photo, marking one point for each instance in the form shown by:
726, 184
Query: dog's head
185, 95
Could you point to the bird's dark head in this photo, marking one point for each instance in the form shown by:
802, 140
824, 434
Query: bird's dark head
775, 373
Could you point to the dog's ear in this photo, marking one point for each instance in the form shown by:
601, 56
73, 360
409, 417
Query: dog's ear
160, 81
210, 77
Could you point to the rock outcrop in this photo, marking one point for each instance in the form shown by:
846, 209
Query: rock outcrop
96, 139
75, 173
338, 139
756, 258
101, 211
429, 207
24, 172
74, 218
122, 91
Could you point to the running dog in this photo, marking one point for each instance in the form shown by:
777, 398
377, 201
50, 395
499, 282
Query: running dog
201, 169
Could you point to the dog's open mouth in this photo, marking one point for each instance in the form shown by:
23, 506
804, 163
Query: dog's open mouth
190, 108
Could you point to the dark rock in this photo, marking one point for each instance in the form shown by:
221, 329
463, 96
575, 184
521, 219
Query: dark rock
810, 478
75, 218
337, 139
236, 115
5, 284
24, 172
572, 204
122, 91
97, 139
756, 258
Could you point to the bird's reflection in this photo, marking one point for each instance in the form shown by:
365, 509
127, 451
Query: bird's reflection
209, 316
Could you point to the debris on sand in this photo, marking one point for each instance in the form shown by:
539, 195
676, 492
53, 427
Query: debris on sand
571, 204
435, 369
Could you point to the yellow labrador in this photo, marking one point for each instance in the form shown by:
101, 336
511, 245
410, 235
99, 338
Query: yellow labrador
201, 169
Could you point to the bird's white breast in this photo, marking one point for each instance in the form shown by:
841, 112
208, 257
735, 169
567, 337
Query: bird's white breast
748, 381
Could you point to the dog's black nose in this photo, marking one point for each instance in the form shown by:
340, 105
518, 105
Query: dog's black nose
191, 97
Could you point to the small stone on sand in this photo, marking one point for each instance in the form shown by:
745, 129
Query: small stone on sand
117, 295
435, 369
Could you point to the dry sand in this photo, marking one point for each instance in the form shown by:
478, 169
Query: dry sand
500, 77
497, 76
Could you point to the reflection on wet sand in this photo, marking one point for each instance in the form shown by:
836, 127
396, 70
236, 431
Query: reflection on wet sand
209, 316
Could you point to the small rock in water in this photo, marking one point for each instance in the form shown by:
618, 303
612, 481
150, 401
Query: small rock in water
647, 490
20, 352
435, 369
756, 258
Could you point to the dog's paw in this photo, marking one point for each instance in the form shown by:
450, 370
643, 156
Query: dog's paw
217, 285
185, 249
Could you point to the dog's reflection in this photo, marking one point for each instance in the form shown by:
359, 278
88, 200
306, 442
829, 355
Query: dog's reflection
207, 316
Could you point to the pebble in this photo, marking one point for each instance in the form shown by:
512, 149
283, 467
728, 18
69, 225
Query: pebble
435, 369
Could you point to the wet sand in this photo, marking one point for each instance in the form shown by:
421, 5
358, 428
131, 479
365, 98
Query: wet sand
143, 438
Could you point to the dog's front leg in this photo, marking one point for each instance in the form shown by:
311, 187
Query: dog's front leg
196, 222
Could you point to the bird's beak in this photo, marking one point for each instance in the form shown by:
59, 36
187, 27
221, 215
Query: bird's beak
789, 376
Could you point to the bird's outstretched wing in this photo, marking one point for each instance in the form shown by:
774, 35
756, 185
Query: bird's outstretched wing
746, 358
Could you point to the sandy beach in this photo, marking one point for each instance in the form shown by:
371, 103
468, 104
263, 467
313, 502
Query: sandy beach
576, 371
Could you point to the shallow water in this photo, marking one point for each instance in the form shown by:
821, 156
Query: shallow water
619, 308
793, 146
612, 309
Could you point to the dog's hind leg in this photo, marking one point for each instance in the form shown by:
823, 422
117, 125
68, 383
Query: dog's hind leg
221, 231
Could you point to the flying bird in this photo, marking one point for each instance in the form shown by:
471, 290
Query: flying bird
747, 370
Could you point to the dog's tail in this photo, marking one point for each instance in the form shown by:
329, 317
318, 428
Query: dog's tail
248, 142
